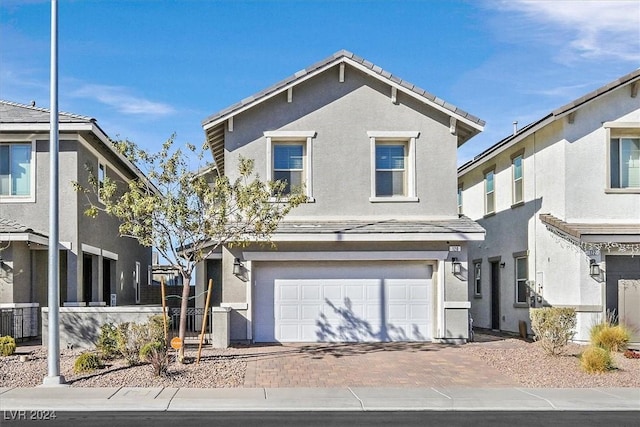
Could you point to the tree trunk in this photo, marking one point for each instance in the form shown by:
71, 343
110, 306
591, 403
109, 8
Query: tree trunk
182, 330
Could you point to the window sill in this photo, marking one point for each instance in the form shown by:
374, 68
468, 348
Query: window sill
622, 190
17, 199
490, 214
520, 305
393, 199
517, 205
477, 296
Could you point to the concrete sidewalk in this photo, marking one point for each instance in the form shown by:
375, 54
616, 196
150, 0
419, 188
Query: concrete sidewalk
61, 398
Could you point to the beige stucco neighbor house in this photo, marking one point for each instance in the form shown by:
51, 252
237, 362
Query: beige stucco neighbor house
97, 267
560, 201
371, 255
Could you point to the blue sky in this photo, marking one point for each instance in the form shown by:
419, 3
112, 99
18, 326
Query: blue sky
145, 69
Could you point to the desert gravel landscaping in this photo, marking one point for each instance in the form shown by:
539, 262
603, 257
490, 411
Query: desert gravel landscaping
520, 362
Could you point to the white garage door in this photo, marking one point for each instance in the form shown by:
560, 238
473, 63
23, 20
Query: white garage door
342, 301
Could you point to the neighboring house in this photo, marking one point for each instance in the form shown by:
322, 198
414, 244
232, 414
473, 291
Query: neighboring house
97, 267
369, 257
560, 201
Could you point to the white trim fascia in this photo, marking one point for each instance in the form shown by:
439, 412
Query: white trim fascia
377, 237
359, 67
346, 256
619, 238
44, 127
23, 237
110, 255
457, 304
621, 125
440, 323
293, 134
91, 249
380, 134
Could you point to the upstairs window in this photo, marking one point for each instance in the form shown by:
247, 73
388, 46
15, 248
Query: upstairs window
625, 163
391, 173
477, 278
489, 193
518, 188
16, 171
393, 166
459, 200
288, 165
102, 174
290, 159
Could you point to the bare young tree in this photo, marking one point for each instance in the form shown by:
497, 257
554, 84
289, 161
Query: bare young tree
184, 215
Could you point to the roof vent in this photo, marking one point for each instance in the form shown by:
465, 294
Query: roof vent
32, 103
515, 127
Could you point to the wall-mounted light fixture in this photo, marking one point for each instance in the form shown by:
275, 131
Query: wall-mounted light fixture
456, 266
502, 264
594, 268
237, 267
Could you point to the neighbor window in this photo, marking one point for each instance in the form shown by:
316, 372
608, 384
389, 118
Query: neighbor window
521, 279
459, 200
516, 168
102, 174
489, 192
477, 278
16, 170
289, 159
393, 166
625, 162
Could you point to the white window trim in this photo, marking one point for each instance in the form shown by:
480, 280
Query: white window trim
619, 130
514, 180
304, 137
409, 137
517, 280
486, 193
477, 280
31, 198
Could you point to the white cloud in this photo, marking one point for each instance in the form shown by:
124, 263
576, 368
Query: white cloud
595, 29
119, 98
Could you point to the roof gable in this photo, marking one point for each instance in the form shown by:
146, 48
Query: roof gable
632, 79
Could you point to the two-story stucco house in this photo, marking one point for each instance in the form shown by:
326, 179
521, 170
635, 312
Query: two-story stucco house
97, 267
371, 255
560, 201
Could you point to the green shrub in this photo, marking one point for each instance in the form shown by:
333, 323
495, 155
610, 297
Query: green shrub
107, 345
610, 336
596, 359
131, 338
87, 362
7, 345
156, 327
553, 327
155, 353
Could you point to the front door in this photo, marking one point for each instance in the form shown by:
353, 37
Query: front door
495, 295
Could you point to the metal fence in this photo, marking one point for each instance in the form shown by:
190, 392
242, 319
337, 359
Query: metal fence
20, 323
195, 316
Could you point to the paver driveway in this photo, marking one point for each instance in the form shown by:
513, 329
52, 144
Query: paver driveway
367, 365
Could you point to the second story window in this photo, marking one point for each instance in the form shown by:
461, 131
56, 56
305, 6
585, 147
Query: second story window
16, 171
489, 193
290, 159
102, 174
391, 173
518, 188
393, 166
625, 163
477, 278
288, 165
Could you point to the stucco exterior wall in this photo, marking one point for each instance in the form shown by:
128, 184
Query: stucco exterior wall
341, 114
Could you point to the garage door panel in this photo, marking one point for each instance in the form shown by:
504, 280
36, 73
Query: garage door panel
340, 305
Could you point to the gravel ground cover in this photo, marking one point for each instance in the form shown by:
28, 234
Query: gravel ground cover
520, 360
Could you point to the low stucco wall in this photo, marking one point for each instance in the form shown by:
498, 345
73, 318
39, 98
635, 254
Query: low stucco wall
80, 326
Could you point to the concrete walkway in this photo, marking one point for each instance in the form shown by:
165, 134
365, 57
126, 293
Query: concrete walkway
61, 398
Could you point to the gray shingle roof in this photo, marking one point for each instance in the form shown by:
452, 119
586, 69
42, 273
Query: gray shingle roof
393, 226
336, 58
12, 112
10, 226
